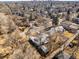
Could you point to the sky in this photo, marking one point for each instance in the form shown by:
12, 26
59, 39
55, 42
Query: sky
39, 0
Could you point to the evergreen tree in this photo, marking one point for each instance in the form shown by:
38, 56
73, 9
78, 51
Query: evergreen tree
55, 20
